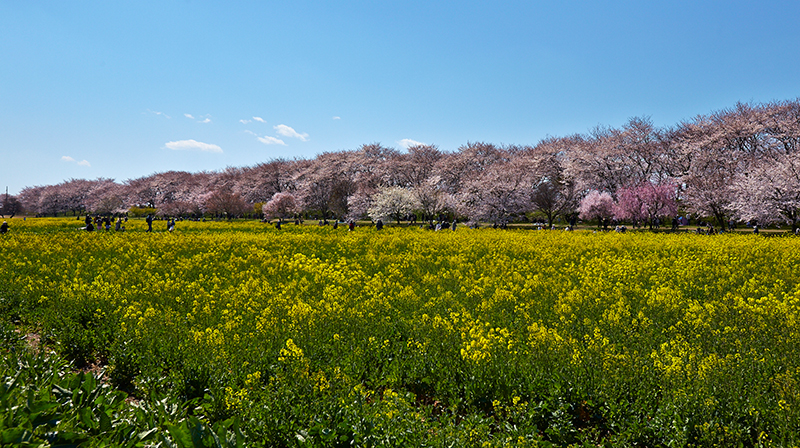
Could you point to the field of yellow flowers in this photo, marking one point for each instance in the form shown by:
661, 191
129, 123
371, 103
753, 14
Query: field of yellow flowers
314, 336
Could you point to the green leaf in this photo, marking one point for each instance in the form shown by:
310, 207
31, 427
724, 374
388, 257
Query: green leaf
15, 436
105, 422
36, 408
146, 434
181, 435
85, 414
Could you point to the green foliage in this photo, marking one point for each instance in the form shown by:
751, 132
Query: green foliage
140, 212
44, 403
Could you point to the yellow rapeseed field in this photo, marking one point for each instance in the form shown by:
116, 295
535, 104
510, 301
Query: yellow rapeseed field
500, 338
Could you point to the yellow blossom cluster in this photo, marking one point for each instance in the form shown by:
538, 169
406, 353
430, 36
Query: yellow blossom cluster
707, 322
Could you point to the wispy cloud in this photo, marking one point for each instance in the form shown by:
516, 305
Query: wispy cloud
250, 132
337, 118
286, 131
189, 116
267, 140
259, 119
158, 113
407, 143
71, 160
192, 145
207, 120
243, 121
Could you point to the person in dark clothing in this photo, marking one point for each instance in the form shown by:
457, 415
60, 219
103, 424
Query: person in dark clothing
149, 221
4, 227
379, 224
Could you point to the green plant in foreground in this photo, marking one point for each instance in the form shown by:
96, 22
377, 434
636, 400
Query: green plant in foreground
43, 403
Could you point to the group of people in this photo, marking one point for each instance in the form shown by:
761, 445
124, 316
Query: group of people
103, 222
149, 221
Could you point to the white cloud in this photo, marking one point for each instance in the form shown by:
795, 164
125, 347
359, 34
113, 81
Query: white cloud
158, 113
245, 121
267, 140
192, 145
337, 118
189, 116
207, 120
407, 143
286, 131
259, 119
71, 160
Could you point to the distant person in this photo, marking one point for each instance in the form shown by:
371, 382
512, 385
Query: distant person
4, 227
118, 224
278, 225
379, 224
89, 227
453, 227
149, 221
171, 225
351, 225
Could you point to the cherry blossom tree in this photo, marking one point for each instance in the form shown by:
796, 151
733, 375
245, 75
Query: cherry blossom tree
392, 203
281, 205
105, 197
551, 191
325, 183
609, 158
224, 202
782, 125
496, 195
260, 182
646, 202
432, 197
29, 198
10, 205
467, 164
597, 206
414, 168
769, 192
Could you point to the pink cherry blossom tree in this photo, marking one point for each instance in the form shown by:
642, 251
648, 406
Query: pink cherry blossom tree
646, 202
597, 206
282, 205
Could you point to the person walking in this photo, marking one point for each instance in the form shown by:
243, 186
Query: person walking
149, 221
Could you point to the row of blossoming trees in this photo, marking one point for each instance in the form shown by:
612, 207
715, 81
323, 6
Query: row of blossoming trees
740, 163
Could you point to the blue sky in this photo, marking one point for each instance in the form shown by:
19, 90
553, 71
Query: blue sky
125, 89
